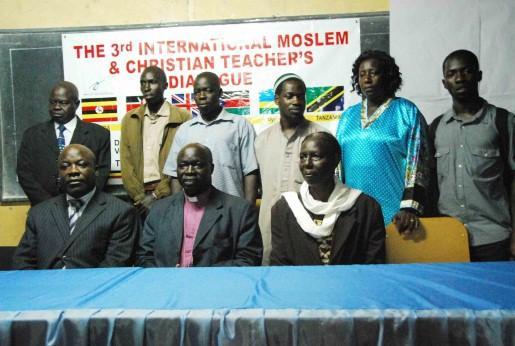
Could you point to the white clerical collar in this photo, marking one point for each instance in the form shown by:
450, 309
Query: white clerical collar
203, 197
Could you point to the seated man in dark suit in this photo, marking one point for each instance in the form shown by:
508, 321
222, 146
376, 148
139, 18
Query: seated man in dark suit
200, 226
82, 228
42, 143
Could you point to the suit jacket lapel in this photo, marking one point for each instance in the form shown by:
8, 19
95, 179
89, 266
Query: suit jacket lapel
60, 215
49, 137
80, 133
212, 213
174, 218
345, 225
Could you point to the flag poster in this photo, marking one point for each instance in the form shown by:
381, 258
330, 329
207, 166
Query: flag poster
99, 110
248, 57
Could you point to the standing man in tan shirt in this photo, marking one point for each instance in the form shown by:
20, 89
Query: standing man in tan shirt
277, 150
147, 134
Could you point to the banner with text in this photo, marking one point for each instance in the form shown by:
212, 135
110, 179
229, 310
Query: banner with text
248, 57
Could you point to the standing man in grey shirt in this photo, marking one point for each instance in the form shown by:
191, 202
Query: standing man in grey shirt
230, 138
474, 161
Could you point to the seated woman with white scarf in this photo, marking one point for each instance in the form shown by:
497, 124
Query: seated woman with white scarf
327, 222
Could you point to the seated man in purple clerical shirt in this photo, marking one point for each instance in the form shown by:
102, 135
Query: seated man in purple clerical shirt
200, 225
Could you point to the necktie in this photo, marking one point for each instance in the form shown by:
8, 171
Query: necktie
60, 140
75, 204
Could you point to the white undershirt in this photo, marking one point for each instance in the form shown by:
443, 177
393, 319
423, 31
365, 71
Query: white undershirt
68, 132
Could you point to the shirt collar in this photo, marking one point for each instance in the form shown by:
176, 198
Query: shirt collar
85, 199
223, 116
450, 115
70, 125
299, 129
164, 111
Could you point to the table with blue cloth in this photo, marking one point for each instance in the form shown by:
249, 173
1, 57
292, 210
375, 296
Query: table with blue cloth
418, 304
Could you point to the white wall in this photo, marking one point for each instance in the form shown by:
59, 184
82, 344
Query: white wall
424, 32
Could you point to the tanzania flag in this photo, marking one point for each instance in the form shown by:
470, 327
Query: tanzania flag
98, 110
318, 99
185, 101
324, 99
132, 102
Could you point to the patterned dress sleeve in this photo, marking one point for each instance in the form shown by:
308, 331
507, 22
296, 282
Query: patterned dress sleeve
417, 169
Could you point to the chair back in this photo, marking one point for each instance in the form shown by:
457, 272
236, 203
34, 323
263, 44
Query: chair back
437, 239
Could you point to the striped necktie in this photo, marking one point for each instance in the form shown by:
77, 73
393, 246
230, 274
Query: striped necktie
60, 140
75, 204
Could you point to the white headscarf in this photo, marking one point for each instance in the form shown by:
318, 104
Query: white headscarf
341, 199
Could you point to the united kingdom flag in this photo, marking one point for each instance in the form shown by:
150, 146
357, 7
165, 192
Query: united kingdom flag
185, 101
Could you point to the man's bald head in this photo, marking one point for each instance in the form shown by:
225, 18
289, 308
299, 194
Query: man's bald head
63, 102
153, 86
207, 94
194, 168
158, 73
212, 78
82, 149
77, 170
72, 90
202, 150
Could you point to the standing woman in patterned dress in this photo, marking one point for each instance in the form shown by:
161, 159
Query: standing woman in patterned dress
384, 142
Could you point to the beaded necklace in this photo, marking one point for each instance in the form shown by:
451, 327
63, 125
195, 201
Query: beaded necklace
366, 121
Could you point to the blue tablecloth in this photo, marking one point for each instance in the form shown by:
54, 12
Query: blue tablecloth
470, 303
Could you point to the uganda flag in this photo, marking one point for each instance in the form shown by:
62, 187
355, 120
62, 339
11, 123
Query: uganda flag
97, 110
318, 100
115, 178
236, 102
132, 102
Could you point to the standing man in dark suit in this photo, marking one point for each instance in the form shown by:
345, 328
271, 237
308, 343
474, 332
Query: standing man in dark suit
42, 143
82, 228
200, 226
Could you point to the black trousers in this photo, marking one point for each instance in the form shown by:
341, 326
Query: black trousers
499, 251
